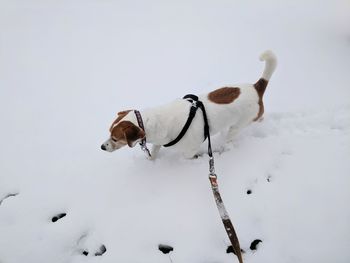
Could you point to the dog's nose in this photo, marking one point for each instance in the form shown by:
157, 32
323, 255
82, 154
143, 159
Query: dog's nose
103, 147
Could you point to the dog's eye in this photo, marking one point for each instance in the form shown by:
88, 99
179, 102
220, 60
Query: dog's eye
113, 139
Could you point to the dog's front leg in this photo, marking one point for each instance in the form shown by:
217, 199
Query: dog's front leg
154, 152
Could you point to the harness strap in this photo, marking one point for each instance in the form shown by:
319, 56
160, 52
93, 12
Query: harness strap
195, 105
193, 111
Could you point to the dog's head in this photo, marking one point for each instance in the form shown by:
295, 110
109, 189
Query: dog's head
123, 133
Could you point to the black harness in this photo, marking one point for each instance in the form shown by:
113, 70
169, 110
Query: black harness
195, 105
231, 233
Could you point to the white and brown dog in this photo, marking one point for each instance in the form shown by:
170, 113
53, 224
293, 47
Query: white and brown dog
229, 109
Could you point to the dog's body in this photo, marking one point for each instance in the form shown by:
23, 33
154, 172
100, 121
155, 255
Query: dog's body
228, 109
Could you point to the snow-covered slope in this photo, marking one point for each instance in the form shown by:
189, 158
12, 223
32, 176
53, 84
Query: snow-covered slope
67, 67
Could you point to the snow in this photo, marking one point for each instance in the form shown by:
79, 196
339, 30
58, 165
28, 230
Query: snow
67, 67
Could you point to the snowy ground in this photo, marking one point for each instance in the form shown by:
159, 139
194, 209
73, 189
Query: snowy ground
67, 67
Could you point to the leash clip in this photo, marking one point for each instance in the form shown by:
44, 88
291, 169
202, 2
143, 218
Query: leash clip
145, 149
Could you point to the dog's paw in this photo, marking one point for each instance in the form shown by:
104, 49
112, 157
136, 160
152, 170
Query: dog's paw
151, 158
154, 152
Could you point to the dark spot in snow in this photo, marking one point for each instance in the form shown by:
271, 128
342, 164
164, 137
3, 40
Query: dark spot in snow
85, 253
268, 178
165, 248
254, 244
231, 250
249, 192
58, 216
101, 250
7, 196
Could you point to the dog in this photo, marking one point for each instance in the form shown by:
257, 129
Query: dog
229, 109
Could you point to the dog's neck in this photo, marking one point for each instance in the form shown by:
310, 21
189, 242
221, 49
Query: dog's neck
162, 124
156, 131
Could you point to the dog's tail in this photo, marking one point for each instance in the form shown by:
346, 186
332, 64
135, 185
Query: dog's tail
270, 65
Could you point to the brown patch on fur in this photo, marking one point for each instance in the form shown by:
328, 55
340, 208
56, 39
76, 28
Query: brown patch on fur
121, 115
261, 110
260, 88
224, 95
127, 131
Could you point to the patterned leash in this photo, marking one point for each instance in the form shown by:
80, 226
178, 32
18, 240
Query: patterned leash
143, 142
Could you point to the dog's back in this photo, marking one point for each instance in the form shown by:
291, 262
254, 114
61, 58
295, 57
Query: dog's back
237, 106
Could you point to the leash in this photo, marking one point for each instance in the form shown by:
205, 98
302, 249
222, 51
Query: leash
143, 142
196, 103
230, 230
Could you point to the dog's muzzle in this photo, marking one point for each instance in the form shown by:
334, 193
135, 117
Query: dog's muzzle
108, 146
111, 146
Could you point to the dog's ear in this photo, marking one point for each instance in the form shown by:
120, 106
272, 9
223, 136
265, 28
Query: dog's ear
133, 135
121, 115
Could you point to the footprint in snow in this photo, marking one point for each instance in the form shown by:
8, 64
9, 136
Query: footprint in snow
271, 173
58, 217
99, 252
7, 196
165, 249
88, 246
231, 250
253, 246
269, 178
